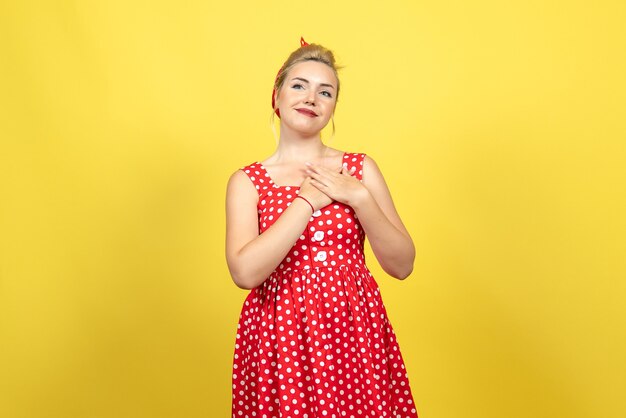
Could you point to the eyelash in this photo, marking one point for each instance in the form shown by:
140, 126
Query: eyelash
328, 94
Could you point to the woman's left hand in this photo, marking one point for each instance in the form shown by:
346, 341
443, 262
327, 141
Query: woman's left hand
340, 185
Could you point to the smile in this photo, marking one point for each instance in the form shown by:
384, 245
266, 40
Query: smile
307, 112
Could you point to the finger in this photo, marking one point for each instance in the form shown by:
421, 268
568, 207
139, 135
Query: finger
319, 185
322, 174
327, 171
313, 175
310, 166
320, 178
348, 172
315, 171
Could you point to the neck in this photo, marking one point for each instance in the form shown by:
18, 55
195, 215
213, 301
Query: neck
297, 147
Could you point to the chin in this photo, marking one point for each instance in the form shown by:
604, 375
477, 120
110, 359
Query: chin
306, 130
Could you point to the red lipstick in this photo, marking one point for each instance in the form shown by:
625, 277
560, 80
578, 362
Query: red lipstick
307, 112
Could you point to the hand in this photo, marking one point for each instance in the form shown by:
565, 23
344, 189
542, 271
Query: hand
317, 198
340, 185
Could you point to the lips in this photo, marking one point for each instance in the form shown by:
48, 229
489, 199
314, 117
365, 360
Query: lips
307, 112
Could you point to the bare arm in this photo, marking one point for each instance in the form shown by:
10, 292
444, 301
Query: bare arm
251, 256
371, 200
391, 243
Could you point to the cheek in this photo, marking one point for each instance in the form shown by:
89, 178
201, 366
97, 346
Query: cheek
283, 93
287, 96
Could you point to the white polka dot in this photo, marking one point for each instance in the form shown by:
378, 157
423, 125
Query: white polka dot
314, 338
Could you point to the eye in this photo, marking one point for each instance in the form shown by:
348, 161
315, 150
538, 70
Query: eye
297, 85
327, 94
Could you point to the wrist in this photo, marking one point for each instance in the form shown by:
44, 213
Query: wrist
306, 201
360, 199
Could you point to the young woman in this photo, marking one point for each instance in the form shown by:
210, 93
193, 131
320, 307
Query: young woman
314, 339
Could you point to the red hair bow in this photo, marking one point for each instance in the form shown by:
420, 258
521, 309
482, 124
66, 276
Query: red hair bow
302, 43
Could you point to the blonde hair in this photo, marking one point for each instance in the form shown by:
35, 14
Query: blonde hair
310, 52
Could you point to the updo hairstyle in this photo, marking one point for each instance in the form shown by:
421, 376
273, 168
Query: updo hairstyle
310, 52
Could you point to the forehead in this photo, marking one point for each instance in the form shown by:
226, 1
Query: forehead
314, 71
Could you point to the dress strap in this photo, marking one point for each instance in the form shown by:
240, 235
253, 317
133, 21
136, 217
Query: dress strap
354, 159
258, 176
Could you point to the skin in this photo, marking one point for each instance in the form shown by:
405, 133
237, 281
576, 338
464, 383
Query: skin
302, 159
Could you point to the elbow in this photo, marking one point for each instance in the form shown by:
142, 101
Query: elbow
405, 273
245, 274
398, 264
401, 273
407, 268
242, 283
400, 269
243, 279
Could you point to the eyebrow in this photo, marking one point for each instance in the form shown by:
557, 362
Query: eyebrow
306, 81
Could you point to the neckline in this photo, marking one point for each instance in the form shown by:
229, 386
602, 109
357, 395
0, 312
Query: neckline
267, 174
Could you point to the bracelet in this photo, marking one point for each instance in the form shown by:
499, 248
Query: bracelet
312, 208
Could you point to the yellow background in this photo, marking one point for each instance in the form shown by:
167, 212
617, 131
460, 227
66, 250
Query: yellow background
498, 125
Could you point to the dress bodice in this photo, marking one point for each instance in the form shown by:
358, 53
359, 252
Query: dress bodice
333, 236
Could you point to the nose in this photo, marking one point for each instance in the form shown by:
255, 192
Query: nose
310, 99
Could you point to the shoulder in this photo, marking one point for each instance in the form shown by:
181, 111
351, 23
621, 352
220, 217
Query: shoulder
245, 179
354, 160
252, 170
361, 159
249, 171
369, 163
371, 171
354, 156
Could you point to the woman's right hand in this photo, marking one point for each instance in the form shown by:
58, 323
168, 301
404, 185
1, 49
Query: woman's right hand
311, 193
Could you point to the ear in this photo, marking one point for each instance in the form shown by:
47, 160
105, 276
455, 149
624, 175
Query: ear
276, 99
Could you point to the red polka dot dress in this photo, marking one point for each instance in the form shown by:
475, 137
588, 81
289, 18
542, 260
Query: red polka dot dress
314, 339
